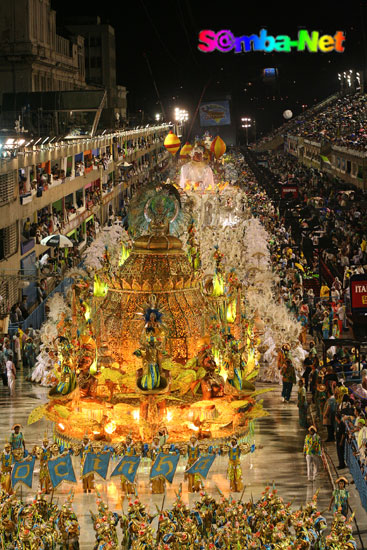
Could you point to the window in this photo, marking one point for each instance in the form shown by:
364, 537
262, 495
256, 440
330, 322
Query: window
7, 187
95, 41
9, 293
8, 241
95, 62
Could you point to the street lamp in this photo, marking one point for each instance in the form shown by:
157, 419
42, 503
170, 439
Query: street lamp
158, 117
181, 116
246, 124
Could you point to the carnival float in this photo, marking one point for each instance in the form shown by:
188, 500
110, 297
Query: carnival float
162, 331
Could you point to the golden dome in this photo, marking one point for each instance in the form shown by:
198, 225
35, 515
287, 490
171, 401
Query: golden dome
166, 273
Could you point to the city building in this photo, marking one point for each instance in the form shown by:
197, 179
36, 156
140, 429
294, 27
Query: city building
33, 57
100, 64
72, 187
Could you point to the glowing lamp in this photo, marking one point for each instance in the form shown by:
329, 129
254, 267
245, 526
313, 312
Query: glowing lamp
125, 253
192, 427
218, 147
223, 373
287, 114
110, 427
172, 143
231, 311
61, 426
100, 288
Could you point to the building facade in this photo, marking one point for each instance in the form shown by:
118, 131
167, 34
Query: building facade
73, 188
100, 64
350, 165
33, 57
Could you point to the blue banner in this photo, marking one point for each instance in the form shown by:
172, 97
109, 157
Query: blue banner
202, 466
165, 465
96, 463
61, 469
23, 472
127, 467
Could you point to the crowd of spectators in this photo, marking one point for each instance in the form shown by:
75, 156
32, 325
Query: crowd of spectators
327, 214
342, 123
41, 180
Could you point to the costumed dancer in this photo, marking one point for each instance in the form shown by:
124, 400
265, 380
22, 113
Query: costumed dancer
234, 471
45, 455
312, 452
6, 466
157, 484
340, 497
128, 449
302, 404
88, 480
234, 364
193, 452
68, 525
16, 438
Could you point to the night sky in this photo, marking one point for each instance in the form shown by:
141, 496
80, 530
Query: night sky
167, 32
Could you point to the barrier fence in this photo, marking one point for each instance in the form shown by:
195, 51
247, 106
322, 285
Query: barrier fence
356, 472
38, 315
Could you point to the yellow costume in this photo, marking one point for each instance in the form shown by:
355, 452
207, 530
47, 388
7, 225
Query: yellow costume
45, 481
234, 471
6, 465
157, 484
193, 452
88, 480
127, 487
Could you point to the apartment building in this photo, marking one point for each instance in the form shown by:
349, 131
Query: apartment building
71, 187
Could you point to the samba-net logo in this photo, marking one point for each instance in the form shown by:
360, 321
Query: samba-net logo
225, 41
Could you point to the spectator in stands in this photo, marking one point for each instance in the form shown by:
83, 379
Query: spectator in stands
23, 307
26, 229
340, 433
329, 416
324, 292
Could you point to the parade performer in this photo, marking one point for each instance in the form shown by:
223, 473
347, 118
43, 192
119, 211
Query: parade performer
312, 452
88, 480
157, 484
234, 364
6, 465
68, 525
196, 173
340, 497
193, 452
234, 471
128, 449
302, 404
16, 438
150, 352
45, 455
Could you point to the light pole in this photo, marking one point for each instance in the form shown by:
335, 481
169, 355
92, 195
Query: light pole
158, 117
181, 116
246, 123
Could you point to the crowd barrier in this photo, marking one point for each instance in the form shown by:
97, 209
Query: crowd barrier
38, 315
356, 472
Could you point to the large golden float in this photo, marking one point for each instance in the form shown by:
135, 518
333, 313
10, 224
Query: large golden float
154, 349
